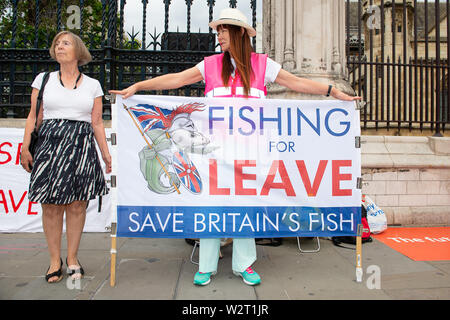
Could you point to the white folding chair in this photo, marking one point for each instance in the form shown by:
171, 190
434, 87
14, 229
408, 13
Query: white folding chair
224, 242
309, 251
196, 244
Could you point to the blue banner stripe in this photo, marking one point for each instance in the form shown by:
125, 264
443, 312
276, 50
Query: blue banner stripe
236, 222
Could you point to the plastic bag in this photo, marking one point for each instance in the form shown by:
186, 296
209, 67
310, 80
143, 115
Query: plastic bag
376, 217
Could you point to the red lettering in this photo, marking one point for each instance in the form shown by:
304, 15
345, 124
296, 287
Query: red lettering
30, 204
311, 191
337, 177
8, 155
15, 208
239, 177
213, 188
3, 201
19, 149
278, 165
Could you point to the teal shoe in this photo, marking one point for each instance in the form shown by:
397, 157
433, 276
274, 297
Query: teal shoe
202, 279
249, 276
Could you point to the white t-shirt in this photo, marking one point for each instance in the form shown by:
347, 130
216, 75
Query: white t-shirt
272, 69
62, 103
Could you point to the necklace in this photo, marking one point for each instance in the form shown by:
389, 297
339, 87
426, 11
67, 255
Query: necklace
76, 82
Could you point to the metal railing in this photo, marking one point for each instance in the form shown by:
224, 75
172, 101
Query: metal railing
120, 58
400, 66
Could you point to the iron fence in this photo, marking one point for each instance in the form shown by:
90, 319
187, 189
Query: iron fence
120, 58
397, 54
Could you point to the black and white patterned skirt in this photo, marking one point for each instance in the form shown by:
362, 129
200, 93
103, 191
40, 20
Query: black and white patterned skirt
66, 165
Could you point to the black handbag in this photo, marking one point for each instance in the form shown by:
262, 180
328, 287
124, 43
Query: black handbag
34, 133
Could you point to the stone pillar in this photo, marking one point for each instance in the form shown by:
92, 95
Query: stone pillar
307, 37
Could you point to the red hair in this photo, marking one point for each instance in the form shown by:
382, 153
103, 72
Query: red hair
241, 51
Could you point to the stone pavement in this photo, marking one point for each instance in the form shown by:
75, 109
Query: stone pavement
160, 269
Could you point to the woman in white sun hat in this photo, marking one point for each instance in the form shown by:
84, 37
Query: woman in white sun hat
237, 72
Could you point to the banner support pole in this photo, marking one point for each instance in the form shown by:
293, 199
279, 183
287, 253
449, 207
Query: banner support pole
113, 254
359, 270
112, 98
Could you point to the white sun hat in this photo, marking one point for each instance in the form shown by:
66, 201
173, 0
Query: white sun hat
234, 17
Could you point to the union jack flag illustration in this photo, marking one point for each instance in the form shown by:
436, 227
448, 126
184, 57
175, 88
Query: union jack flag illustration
152, 117
187, 172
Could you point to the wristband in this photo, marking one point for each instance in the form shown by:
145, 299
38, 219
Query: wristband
329, 90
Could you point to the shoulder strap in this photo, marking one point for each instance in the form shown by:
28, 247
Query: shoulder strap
41, 92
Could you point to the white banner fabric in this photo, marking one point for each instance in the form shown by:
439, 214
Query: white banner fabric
190, 167
17, 213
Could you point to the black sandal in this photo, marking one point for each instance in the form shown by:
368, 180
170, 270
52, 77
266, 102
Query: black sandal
71, 272
57, 273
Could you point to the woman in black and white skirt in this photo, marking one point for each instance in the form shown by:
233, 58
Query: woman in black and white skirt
66, 171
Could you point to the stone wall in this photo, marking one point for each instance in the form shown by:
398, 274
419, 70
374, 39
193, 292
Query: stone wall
408, 177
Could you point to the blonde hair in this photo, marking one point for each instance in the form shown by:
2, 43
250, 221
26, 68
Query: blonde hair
81, 52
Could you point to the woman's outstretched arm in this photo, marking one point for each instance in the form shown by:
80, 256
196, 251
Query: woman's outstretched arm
303, 85
164, 82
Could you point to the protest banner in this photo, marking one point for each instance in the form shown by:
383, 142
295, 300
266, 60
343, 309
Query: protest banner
17, 213
192, 167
